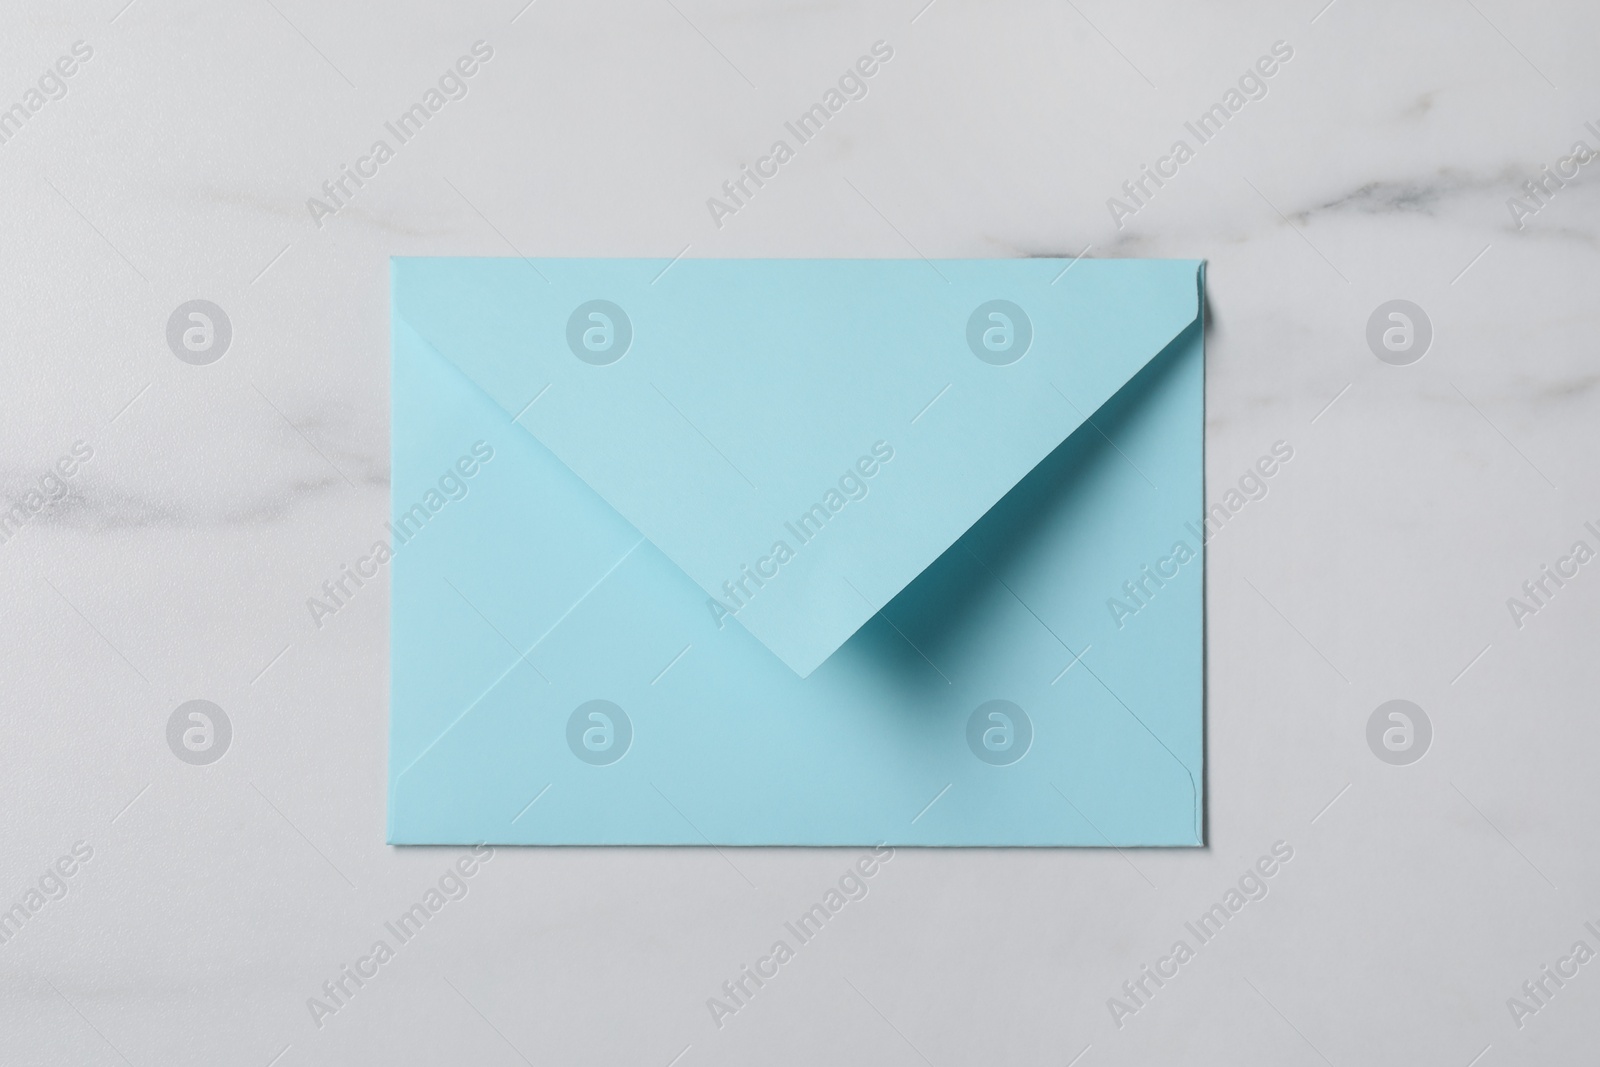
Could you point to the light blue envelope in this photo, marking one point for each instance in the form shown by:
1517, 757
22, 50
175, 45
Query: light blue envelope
797, 552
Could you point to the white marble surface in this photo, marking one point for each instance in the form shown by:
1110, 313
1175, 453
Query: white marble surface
1378, 165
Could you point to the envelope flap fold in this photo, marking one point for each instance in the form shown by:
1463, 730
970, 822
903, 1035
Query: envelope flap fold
801, 437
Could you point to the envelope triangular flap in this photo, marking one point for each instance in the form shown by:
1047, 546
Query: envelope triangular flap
801, 437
